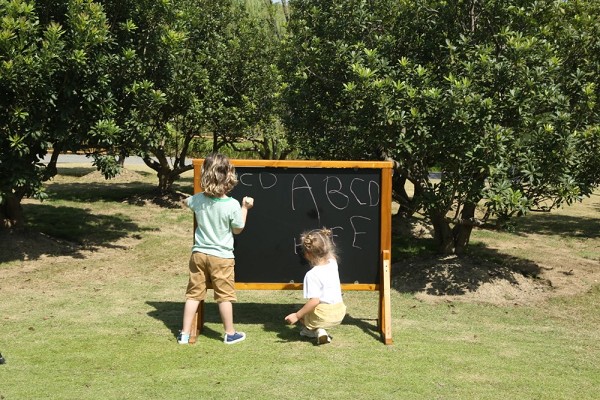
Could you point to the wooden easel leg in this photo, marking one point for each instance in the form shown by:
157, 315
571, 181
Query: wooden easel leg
385, 307
197, 323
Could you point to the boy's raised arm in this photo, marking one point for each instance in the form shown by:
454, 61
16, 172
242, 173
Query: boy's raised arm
247, 203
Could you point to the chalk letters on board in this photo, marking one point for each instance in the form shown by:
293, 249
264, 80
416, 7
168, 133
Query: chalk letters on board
289, 201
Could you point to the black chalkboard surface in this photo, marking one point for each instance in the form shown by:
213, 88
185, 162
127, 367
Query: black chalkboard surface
288, 201
353, 199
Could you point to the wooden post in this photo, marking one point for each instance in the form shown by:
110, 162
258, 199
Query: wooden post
198, 320
197, 323
385, 307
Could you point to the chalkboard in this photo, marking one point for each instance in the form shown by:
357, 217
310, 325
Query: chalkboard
353, 199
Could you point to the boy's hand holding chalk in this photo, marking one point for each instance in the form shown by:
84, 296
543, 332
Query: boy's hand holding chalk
248, 202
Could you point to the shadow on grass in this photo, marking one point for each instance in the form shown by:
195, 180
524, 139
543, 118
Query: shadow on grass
410, 237
451, 275
77, 172
561, 225
81, 172
133, 193
58, 230
90, 192
270, 315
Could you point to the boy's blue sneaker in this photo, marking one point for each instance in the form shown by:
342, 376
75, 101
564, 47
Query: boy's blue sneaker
236, 337
183, 338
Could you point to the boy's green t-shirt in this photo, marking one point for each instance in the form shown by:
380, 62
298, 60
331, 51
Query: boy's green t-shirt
216, 217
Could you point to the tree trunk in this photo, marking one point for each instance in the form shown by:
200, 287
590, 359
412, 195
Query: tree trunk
442, 233
399, 194
408, 204
462, 231
11, 213
166, 178
453, 240
121, 160
166, 174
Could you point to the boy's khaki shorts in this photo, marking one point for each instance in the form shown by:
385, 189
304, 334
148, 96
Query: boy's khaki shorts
219, 271
325, 316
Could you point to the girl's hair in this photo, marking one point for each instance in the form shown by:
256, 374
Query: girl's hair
318, 245
218, 175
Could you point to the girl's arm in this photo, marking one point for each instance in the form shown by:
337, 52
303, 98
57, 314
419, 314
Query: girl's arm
310, 305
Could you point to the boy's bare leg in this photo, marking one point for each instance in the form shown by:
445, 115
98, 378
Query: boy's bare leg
189, 313
226, 311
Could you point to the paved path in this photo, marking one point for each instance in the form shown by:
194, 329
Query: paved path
82, 159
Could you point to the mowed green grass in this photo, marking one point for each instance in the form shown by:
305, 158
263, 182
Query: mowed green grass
96, 318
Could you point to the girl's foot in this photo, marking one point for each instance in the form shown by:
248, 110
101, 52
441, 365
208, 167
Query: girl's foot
322, 336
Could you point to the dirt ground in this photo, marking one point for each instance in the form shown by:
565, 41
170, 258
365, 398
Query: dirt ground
473, 280
491, 274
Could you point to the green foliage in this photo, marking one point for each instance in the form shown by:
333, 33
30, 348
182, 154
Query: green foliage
186, 69
500, 97
54, 85
118, 78
244, 79
28, 57
488, 91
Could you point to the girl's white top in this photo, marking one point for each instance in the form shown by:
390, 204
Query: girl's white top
323, 282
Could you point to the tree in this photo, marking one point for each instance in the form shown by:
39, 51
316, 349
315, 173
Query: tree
118, 78
53, 81
262, 30
149, 88
486, 91
188, 70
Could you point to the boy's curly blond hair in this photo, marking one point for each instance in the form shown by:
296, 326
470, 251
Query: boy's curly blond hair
218, 175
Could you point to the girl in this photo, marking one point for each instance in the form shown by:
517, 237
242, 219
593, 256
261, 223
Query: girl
218, 217
325, 307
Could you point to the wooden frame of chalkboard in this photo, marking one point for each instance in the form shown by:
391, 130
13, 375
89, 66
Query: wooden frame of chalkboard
352, 198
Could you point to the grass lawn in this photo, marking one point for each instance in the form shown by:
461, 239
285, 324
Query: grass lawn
90, 310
